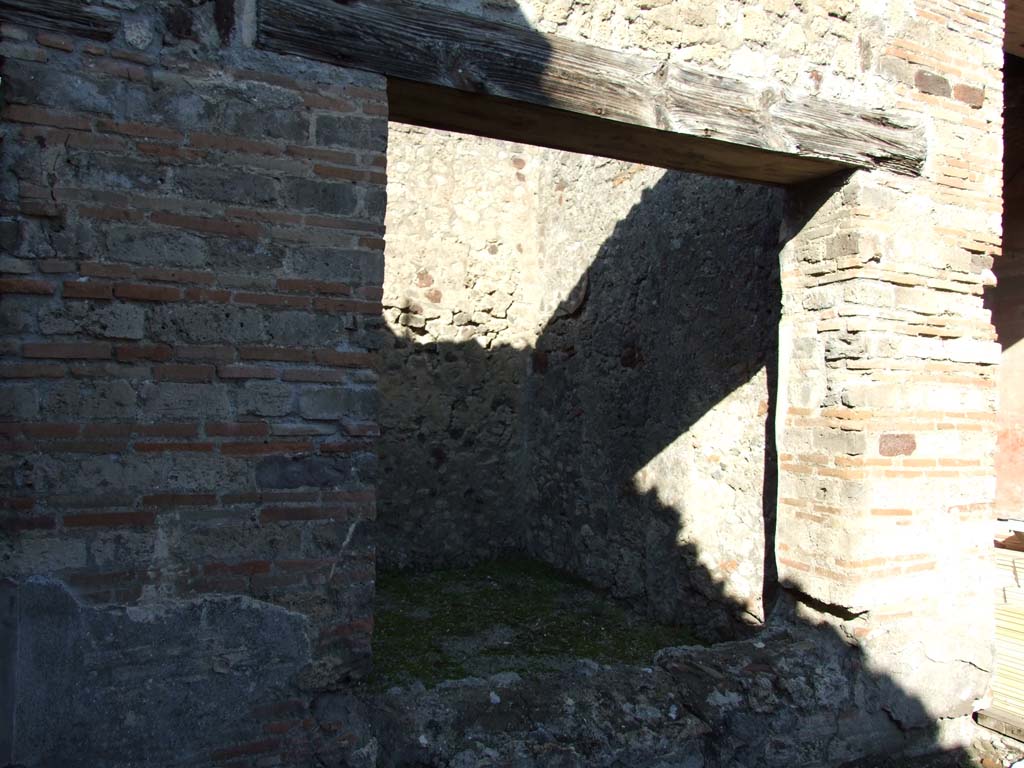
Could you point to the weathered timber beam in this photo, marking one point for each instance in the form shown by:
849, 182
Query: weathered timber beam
72, 17
459, 72
449, 109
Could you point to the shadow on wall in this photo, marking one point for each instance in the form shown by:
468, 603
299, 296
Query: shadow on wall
675, 317
543, 450
1005, 299
550, 449
584, 451
648, 407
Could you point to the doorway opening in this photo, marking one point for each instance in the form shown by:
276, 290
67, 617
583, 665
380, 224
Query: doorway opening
577, 382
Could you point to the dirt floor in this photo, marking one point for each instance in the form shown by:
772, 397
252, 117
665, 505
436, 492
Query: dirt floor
503, 616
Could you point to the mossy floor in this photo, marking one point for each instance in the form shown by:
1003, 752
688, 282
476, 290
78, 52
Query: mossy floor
508, 615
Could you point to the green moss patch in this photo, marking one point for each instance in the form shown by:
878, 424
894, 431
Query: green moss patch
507, 615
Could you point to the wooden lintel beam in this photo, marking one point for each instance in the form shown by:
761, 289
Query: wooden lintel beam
72, 17
459, 72
449, 109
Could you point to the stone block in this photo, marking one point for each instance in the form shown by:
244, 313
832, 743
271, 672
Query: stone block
117, 321
244, 109
188, 472
205, 324
19, 402
119, 172
336, 265
66, 319
12, 266
234, 540
265, 398
304, 472
74, 400
305, 329
19, 314
10, 235
969, 95
351, 132
225, 185
839, 441
94, 477
374, 202
45, 553
181, 400
931, 83
330, 403
81, 91
244, 257
896, 444
142, 245
871, 292
332, 198
255, 121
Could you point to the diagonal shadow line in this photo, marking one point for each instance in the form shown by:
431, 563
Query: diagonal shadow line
650, 341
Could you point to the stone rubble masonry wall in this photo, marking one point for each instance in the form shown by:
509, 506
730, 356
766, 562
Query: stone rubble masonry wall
192, 259
587, 341
462, 254
648, 400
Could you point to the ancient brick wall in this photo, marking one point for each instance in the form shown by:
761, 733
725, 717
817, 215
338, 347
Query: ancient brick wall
888, 359
192, 259
578, 369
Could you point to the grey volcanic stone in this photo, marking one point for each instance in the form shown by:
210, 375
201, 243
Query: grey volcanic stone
303, 471
155, 678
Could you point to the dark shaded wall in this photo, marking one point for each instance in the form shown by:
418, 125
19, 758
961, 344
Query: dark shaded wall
1006, 300
190, 242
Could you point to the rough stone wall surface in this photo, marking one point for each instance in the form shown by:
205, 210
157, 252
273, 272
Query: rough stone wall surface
462, 250
192, 258
796, 696
587, 343
648, 399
